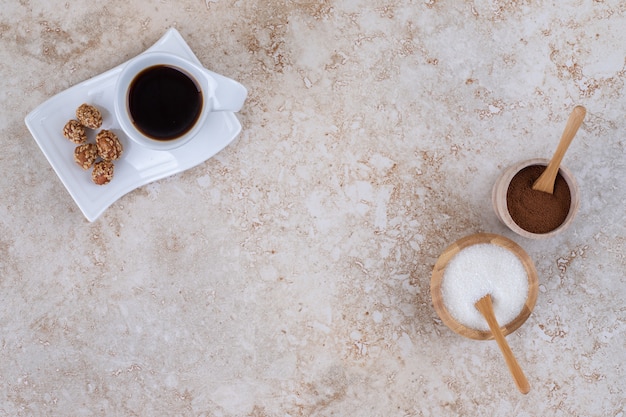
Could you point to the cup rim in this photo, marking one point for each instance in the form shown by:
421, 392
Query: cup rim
501, 186
147, 60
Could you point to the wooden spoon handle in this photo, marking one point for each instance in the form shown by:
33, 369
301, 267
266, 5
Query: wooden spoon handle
545, 182
485, 307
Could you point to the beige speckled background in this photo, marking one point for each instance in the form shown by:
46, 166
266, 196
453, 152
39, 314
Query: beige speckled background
289, 275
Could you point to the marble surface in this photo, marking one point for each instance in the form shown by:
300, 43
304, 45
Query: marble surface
289, 275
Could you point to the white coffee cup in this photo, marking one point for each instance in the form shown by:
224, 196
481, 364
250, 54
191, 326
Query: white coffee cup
217, 93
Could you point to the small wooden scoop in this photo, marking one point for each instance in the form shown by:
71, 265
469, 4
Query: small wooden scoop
545, 182
485, 307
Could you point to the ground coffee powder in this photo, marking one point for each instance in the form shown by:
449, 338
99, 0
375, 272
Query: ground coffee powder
536, 211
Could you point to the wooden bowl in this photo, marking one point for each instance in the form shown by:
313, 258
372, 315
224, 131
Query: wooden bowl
501, 187
437, 279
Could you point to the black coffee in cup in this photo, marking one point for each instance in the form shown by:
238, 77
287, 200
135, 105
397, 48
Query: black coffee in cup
164, 102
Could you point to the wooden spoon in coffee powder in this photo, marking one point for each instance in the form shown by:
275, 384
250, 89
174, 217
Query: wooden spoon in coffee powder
545, 182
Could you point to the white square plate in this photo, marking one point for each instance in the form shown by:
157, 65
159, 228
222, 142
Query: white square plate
138, 165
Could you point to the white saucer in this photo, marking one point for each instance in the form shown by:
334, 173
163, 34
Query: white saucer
138, 165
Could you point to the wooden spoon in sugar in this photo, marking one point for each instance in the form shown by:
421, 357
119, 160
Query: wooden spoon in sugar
485, 306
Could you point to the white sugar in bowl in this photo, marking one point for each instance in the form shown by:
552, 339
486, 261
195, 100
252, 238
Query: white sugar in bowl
476, 265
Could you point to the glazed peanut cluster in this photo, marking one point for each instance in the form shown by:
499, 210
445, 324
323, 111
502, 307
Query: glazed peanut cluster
99, 155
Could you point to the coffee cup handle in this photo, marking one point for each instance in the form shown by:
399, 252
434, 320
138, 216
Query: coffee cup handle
228, 95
